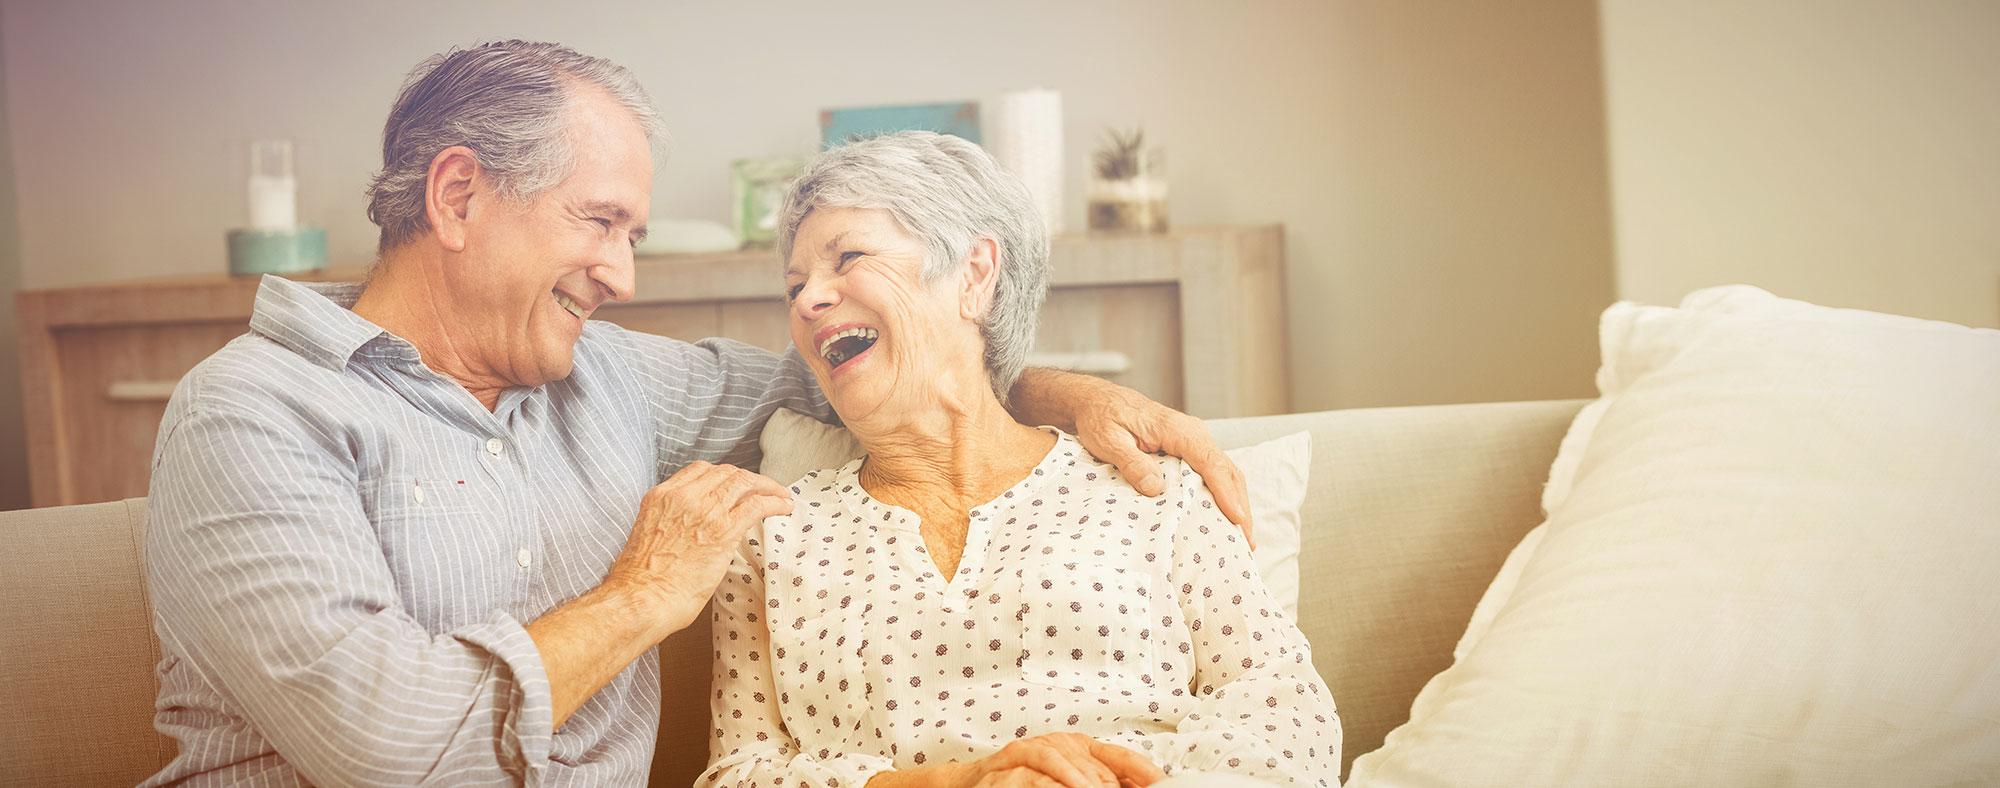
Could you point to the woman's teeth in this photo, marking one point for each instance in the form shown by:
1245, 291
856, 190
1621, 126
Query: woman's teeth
846, 344
564, 302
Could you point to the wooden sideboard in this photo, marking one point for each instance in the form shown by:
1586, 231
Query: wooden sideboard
1194, 318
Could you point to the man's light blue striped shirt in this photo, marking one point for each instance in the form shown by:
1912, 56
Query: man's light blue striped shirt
343, 546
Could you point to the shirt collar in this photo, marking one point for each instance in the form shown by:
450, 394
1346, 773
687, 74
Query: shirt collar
315, 320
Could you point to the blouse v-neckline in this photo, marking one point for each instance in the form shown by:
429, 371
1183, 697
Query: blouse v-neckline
908, 539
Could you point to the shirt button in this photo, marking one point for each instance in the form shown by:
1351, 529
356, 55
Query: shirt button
417, 492
524, 558
493, 446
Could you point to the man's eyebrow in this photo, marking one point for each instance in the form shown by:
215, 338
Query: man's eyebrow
615, 211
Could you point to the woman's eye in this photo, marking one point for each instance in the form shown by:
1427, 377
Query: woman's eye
848, 257
792, 293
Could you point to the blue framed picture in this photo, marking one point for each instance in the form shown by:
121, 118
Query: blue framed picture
959, 119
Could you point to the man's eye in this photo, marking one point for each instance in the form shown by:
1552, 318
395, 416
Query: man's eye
604, 223
792, 293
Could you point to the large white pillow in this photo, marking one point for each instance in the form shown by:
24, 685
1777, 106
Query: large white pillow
1611, 378
1275, 472
1770, 558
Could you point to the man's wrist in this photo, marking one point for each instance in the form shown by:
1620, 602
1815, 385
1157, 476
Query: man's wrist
1057, 398
654, 612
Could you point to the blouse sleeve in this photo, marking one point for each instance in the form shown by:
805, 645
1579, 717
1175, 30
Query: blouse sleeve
749, 745
1262, 709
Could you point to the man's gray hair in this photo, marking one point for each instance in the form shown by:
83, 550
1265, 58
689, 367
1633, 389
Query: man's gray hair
506, 101
948, 193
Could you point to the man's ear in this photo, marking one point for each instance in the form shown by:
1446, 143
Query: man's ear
979, 279
449, 186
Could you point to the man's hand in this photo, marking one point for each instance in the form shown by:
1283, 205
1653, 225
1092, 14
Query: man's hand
1065, 760
682, 541
687, 532
1122, 427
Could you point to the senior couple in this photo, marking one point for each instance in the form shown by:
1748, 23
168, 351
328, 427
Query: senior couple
429, 528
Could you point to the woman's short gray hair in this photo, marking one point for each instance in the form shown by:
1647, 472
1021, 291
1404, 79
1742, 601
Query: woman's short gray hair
505, 100
948, 193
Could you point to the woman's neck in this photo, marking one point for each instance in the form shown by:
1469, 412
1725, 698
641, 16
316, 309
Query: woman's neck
957, 453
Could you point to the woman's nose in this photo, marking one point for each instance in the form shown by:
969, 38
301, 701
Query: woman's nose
815, 298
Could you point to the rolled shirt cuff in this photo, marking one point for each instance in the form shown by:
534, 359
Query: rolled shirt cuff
521, 687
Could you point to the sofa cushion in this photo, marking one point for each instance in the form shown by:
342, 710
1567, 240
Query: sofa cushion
1770, 559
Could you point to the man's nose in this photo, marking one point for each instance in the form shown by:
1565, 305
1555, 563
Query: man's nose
616, 275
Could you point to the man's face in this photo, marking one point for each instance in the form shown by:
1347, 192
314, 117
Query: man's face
532, 271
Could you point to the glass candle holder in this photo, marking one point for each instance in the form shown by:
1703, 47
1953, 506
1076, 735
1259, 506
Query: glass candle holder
1128, 189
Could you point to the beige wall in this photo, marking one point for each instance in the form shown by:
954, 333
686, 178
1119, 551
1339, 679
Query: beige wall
1845, 152
1440, 165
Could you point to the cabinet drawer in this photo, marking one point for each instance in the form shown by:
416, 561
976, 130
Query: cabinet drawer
112, 385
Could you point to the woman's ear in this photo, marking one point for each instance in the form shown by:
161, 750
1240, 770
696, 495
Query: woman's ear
979, 279
449, 185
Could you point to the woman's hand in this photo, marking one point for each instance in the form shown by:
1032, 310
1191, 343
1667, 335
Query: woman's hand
1068, 760
1017, 778
1025, 778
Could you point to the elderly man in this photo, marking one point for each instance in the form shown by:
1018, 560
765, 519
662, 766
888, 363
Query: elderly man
416, 530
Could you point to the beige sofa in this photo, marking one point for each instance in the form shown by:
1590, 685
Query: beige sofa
1410, 513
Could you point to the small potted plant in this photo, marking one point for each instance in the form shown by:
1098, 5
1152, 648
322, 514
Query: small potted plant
1128, 185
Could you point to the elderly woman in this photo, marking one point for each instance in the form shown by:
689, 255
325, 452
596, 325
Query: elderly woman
977, 601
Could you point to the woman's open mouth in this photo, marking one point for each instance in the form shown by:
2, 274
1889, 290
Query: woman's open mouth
847, 344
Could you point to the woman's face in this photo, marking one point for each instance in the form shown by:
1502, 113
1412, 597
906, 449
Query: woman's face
878, 337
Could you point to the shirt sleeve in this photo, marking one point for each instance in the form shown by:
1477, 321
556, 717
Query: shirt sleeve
710, 399
1261, 708
749, 745
267, 578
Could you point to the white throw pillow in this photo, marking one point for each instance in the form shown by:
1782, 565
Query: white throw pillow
1769, 558
795, 444
1275, 471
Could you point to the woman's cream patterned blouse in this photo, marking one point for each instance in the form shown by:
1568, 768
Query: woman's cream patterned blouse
1078, 606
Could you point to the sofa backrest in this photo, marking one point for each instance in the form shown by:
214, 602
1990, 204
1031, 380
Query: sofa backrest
77, 648
1409, 514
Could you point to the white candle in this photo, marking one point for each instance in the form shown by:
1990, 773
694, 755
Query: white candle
1024, 134
273, 202
274, 189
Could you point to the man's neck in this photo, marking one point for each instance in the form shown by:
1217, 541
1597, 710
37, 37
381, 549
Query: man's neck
407, 297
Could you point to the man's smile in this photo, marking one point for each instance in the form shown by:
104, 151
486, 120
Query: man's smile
571, 306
